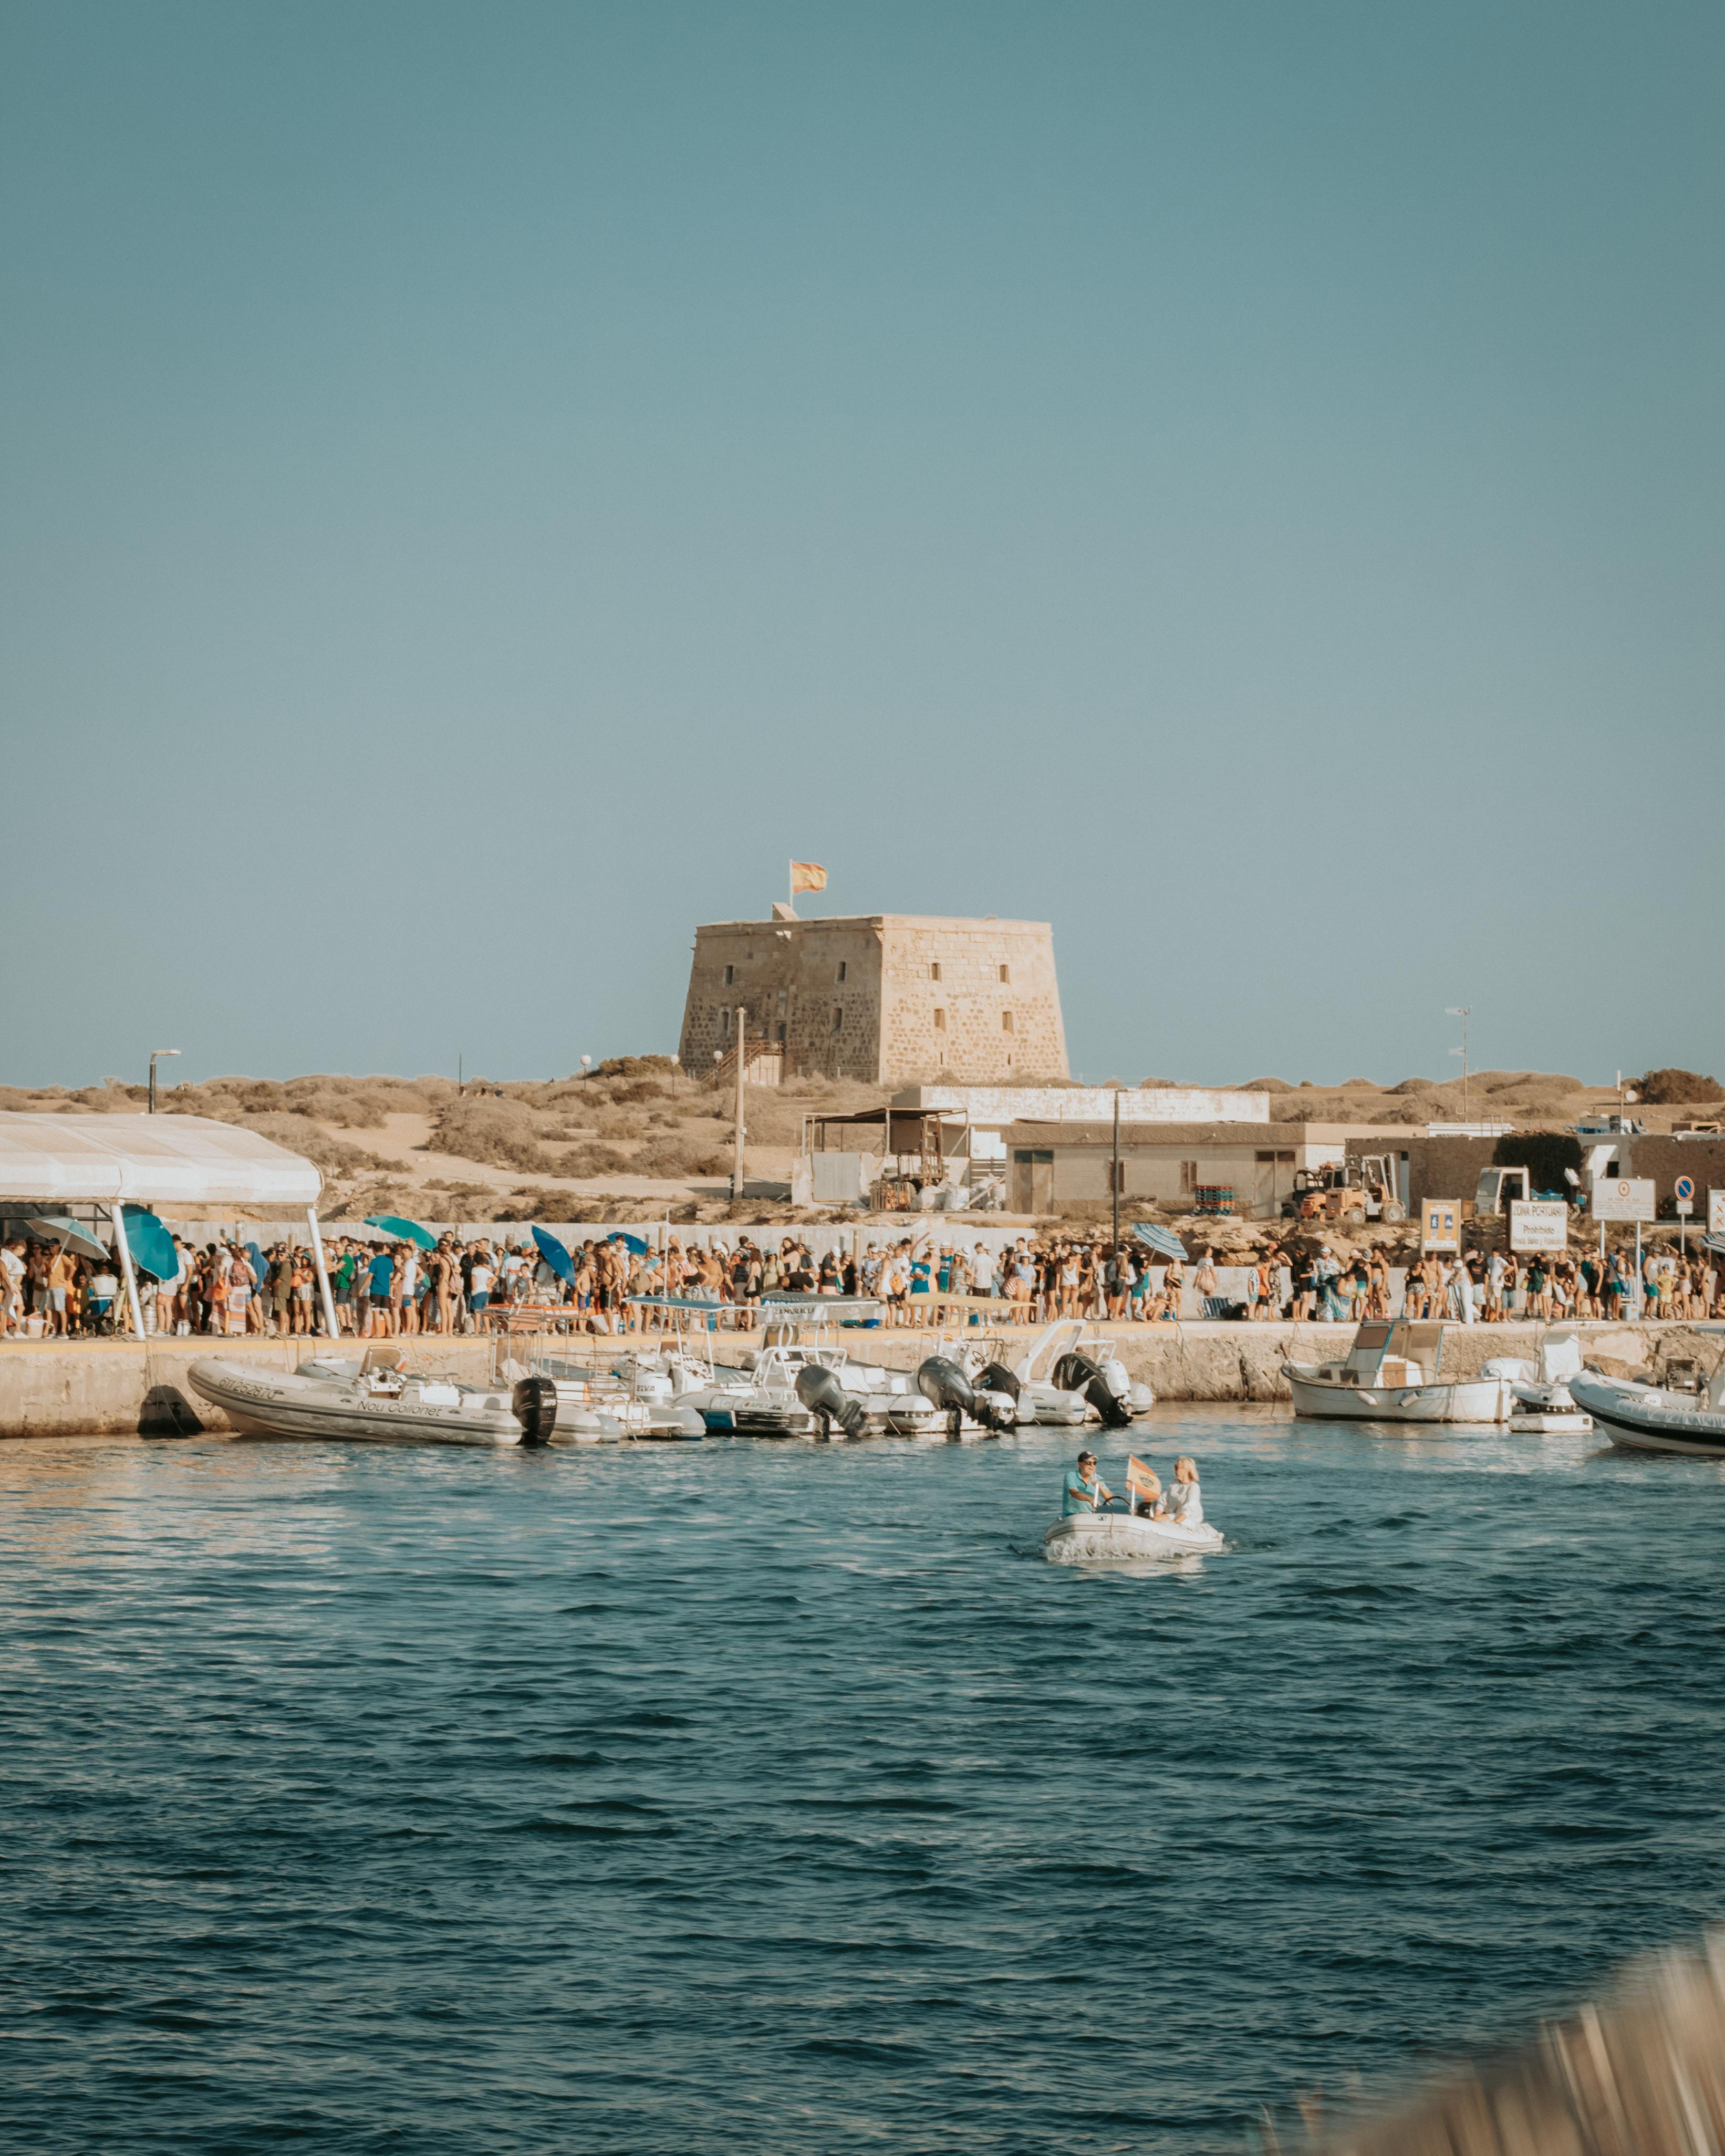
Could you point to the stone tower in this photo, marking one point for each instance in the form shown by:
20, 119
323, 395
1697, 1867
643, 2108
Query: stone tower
887, 998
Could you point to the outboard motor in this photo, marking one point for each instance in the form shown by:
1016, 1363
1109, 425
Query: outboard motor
534, 1406
1077, 1374
996, 1378
944, 1384
997, 1392
821, 1392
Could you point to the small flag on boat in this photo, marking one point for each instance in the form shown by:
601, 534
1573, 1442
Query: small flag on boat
1141, 1480
806, 875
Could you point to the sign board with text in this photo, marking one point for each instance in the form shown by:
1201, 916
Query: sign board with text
1716, 1211
1538, 1223
1441, 1224
1625, 1198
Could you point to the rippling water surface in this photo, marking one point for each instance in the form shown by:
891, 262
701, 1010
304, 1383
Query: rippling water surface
735, 1796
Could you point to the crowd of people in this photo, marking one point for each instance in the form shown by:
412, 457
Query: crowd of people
616, 1283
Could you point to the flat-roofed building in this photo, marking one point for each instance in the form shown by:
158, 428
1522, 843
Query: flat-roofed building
885, 997
1054, 1166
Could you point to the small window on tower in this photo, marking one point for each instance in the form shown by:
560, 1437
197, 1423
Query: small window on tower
940, 1021
729, 976
1006, 1021
724, 1021
1006, 977
843, 967
934, 971
838, 1018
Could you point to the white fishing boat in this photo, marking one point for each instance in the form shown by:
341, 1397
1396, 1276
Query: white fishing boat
1108, 1537
1657, 1418
1393, 1372
375, 1400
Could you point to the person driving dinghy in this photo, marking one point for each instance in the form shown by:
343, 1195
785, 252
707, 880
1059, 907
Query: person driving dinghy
1084, 1490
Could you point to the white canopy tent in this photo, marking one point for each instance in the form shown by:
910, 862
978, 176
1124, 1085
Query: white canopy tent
112, 1161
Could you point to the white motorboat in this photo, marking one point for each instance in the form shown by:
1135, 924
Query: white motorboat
1071, 1374
1393, 1372
376, 1399
758, 1394
1108, 1537
1657, 1418
1539, 1392
627, 1401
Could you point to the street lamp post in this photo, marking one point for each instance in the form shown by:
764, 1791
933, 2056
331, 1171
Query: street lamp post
1460, 1011
154, 1054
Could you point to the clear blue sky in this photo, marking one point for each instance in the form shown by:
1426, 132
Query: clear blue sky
481, 486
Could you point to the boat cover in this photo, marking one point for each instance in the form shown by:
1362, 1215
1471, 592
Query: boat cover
154, 1160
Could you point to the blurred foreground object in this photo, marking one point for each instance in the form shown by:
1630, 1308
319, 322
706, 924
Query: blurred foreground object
1642, 2073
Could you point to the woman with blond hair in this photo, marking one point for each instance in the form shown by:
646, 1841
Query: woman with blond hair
1184, 1503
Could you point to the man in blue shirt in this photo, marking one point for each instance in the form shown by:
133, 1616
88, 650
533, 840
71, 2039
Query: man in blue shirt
383, 1270
1083, 1490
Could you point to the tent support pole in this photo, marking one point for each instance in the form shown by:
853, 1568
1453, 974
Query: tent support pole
117, 1213
323, 1277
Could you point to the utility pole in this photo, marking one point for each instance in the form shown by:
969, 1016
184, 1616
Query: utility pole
1114, 1178
742, 1021
154, 1054
1460, 1011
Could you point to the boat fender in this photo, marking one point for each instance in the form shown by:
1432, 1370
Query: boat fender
820, 1391
534, 1406
1077, 1374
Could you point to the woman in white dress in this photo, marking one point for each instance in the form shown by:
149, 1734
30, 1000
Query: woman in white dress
1184, 1503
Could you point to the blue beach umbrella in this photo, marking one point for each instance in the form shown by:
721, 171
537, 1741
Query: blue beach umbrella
406, 1231
150, 1244
1162, 1240
554, 1254
635, 1243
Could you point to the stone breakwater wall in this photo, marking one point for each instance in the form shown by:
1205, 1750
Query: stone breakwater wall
110, 1388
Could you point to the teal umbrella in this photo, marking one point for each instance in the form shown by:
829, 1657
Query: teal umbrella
54, 1228
150, 1244
408, 1231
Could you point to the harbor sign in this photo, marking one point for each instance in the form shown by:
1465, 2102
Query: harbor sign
1538, 1223
1625, 1198
1441, 1224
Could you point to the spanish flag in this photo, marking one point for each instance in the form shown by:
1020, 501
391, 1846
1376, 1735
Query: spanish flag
1141, 1480
806, 875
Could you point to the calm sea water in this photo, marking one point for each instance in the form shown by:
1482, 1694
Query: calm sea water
759, 1797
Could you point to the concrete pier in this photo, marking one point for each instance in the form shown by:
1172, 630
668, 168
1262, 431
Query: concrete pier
114, 1387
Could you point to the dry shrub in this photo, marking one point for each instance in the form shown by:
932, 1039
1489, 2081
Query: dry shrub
1252, 1085
637, 1066
1675, 1088
502, 1133
1413, 1085
592, 1160
678, 1158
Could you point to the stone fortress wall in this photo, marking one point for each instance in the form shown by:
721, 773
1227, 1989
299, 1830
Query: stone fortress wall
883, 997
